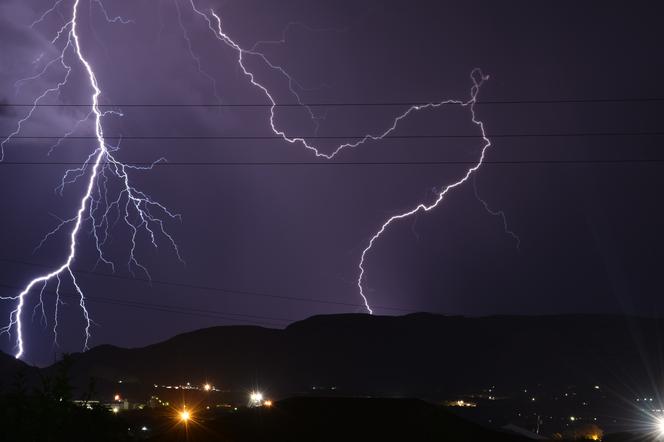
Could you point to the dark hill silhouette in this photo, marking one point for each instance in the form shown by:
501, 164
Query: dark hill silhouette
9, 364
10, 367
419, 355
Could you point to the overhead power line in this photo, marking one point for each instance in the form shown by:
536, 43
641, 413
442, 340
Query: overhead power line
339, 137
347, 163
213, 289
571, 100
168, 308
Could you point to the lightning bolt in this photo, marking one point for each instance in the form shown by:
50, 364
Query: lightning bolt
293, 84
498, 213
193, 55
478, 78
138, 210
214, 24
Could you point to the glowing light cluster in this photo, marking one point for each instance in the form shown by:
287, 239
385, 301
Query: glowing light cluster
255, 399
659, 427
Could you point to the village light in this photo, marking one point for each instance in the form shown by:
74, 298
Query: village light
659, 427
255, 399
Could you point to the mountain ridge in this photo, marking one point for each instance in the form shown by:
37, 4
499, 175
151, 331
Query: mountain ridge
419, 355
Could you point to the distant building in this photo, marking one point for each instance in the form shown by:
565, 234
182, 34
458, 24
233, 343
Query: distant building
117, 406
86, 404
460, 403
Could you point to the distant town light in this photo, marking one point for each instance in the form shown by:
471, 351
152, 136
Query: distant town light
115, 410
255, 399
144, 428
659, 426
116, 397
267, 403
572, 418
460, 403
185, 415
207, 387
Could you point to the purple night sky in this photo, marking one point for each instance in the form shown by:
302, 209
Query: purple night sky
590, 231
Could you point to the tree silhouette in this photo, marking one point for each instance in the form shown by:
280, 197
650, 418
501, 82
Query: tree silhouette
48, 414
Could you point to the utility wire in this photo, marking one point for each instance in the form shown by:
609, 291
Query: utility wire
343, 163
166, 308
210, 288
339, 137
350, 104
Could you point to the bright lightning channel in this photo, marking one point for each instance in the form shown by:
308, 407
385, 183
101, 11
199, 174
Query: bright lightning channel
214, 23
102, 164
498, 213
135, 207
478, 78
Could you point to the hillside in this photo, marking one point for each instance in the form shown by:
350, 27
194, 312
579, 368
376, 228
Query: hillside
418, 355
10, 367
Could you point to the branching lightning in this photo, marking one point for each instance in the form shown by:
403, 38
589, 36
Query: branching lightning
497, 213
193, 55
108, 189
478, 78
109, 192
214, 23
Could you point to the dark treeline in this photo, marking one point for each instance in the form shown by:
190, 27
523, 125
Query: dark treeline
47, 412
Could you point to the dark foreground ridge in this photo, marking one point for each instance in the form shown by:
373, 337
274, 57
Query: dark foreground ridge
550, 375
339, 419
